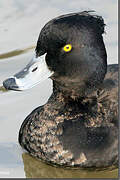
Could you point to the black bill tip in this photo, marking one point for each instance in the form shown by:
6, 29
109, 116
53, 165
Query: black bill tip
10, 84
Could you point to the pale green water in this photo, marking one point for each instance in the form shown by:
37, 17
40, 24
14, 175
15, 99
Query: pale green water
20, 26
35, 169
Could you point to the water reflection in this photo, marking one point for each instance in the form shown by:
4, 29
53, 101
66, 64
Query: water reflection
2, 89
36, 169
11, 164
16, 52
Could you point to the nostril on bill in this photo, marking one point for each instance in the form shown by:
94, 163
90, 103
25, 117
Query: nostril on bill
34, 69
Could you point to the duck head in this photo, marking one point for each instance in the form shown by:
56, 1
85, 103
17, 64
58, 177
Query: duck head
70, 50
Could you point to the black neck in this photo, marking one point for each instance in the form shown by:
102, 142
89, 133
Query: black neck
68, 94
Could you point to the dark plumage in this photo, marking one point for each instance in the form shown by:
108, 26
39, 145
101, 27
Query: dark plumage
78, 126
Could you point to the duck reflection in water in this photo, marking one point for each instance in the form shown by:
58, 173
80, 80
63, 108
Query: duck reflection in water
37, 169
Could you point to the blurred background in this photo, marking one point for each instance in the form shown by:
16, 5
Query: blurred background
21, 21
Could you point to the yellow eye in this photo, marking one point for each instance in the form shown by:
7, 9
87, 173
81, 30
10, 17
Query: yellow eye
67, 47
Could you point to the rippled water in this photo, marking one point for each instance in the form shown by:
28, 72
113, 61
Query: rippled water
20, 23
